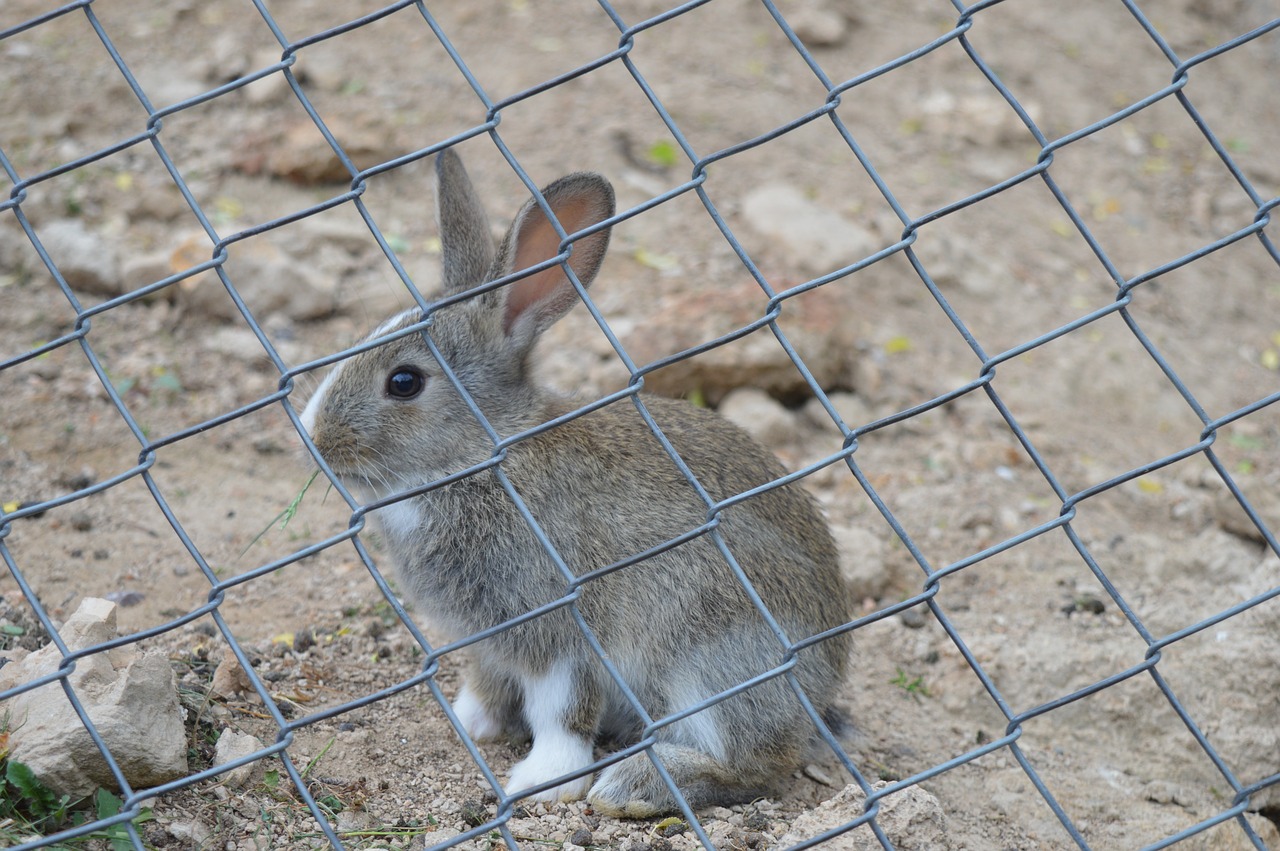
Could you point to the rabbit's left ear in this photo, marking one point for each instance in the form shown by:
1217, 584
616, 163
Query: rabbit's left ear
466, 245
533, 303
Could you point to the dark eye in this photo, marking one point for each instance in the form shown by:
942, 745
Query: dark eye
405, 382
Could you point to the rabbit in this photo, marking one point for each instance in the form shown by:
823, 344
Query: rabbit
678, 625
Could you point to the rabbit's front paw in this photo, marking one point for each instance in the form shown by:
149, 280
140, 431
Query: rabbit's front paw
553, 756
476, 718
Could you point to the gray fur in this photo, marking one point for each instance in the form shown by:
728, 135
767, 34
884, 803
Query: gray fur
678, 626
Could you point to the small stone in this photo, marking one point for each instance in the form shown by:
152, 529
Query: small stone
189, 832
229, 678
232, 746
581, 837
817, 775
268, 279
912, 618
85, 258
851, 407
140, 270
815, 239
817, 26
912, 818
813, 322
271, 87
300, 154
1228, 513
761, 416
473, 812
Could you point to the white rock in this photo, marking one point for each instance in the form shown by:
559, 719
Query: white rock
863, 564
912, 819
86, 259
953, 261
139, 270
852, 408
194, 833
269, 281
271, 87
131, 697
817, 26
761, 416
814, 238
232, 746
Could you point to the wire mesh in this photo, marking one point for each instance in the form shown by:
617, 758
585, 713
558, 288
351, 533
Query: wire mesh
149, 130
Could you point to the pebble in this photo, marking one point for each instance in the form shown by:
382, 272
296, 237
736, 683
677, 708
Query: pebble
761, 416
815, 239
85, 258
817, 26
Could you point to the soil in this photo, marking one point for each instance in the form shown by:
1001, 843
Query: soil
1167, 558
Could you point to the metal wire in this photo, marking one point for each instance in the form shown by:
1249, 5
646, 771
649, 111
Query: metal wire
1129, 290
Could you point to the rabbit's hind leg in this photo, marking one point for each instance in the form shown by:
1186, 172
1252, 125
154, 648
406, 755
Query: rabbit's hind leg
633, 788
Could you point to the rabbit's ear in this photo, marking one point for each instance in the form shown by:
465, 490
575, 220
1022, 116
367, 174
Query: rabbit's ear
466, 244
533, 303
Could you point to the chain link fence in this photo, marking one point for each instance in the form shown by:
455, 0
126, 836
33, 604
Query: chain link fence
165, 131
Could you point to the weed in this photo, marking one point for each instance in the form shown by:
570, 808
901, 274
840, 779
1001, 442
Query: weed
914, 687
29, 809
285, 516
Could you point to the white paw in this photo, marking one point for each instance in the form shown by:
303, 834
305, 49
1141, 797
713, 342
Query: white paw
475, 717
553, 755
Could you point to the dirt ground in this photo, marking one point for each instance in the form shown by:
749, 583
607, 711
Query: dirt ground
1122, 763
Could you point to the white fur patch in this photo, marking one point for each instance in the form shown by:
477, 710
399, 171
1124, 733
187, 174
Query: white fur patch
698, 730
312, 410
401, 521
556, 751
390, 324
474, 715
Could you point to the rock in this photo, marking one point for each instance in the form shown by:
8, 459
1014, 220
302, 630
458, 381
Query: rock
130, 695
229, 678
984, 120
234, 342
864, 566
314, 233
16, 253
815, 239
818, 26
140, 270
189, 832
912, 819
852, 408
301, 154
1228, 513
761, 416
268, 279
86, 260
271, 87
956, 262
816, 323
232, 746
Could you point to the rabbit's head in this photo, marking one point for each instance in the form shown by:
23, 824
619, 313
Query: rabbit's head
389, 417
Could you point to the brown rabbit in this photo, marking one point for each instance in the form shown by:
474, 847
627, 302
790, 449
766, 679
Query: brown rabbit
678, 625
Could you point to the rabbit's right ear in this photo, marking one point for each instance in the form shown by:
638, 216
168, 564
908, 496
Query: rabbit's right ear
531, 304
466, 244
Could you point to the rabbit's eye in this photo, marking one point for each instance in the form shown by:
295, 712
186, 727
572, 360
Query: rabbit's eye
405, 382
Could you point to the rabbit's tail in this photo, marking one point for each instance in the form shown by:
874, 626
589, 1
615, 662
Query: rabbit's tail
633, 788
